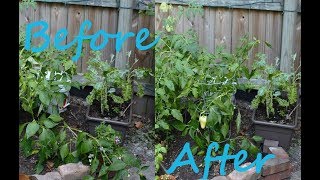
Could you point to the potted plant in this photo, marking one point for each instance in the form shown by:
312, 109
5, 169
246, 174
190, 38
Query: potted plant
276, 103
111, 97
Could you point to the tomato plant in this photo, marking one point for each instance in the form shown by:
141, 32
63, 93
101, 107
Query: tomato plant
192, 83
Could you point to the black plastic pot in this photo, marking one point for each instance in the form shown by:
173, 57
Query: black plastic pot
277, 132
246, 95
115, 124
82, 93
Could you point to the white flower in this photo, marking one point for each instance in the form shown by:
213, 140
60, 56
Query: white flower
101, 149
90, 156
164, 7
48, 73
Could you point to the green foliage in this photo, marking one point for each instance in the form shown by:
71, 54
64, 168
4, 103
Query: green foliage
191, 81
107, 81
44, 78
25, 4
280, 88
103, 151
159, 152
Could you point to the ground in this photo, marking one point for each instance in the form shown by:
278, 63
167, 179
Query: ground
186, 172
139, 141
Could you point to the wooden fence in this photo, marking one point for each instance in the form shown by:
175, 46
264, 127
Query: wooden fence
225, 22
103, 15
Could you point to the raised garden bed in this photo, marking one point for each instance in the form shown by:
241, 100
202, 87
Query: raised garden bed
275, 128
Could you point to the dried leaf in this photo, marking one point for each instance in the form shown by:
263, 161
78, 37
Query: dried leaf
138, 124
167, 177
50, 165
23, 177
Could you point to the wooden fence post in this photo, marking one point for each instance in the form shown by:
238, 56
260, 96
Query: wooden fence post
124, 26
288, 31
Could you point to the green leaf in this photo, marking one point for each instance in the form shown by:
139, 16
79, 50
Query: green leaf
39, 168
216, 136
86, 146
238, 121
49, 124
55, 117
195, 92
245, 144
201, 153
169, 84
253, 150
257, 138
46, 135
117, 165
225, 129
94, 165
143, 168
32, 129
163, 125
131, 160
64, 151
21, 128
176, 114
178, 125
103, 170
68, 65
88, 177
184, 93
199, 141
191, 133
62, 135
194, 150
44, 98
185, 132
268, 44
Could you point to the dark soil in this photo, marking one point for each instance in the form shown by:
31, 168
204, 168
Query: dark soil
114, 110
261, 115
186, 172
247, 129
74, 116
139, 141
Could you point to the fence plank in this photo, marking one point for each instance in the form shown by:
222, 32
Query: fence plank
288, 32
124, 21
109, 24
94, 15
75, 19
270, 5
240, 26
273, 35
257, 29
223, 28
297, 42
58, 19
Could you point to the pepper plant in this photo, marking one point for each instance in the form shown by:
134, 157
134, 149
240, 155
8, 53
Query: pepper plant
107, 80
43, 80
280, 88
192, 84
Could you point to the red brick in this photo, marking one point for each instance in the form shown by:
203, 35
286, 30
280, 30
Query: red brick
275, 165
278, 176
247, 175
279, 152
269, 143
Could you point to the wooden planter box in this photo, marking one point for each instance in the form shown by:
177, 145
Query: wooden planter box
277, 132
120, 126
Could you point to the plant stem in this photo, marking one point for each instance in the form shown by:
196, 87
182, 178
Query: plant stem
293, 109
92, 137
